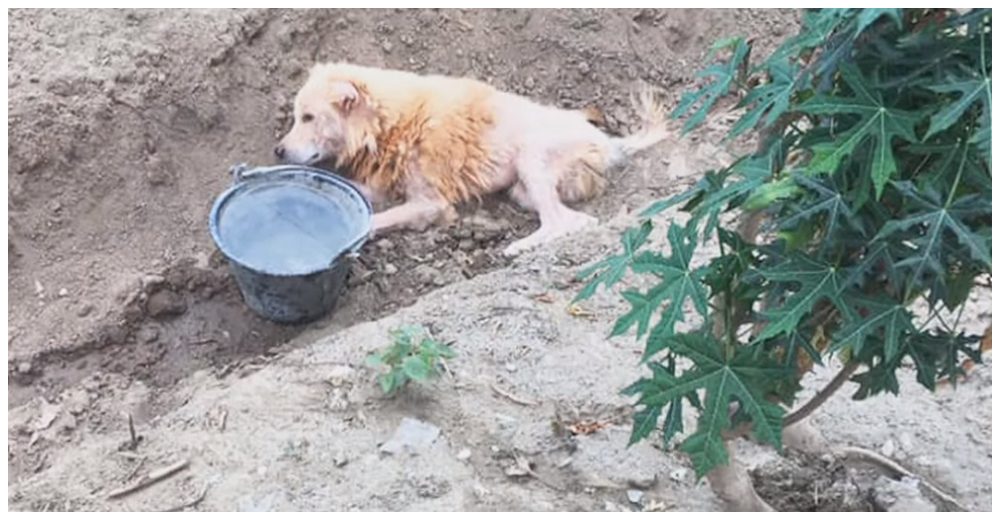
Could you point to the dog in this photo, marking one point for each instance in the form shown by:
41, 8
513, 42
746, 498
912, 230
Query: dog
435, 141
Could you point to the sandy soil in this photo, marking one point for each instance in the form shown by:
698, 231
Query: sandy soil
122, 126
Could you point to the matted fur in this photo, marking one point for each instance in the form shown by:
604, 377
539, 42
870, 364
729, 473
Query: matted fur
435, 121
436, 141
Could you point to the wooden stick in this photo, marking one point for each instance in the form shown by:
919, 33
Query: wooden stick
149, 479
519, 400
897, 471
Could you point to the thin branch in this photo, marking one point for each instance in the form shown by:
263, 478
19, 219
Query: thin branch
822, 395
897, 471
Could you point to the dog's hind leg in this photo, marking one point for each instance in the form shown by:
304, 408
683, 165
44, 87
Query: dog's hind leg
541, 192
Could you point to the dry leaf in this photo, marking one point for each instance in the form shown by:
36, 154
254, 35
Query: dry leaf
587, 427
544, 298
986, 345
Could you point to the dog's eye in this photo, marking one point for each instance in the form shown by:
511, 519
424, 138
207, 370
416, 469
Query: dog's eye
306, 118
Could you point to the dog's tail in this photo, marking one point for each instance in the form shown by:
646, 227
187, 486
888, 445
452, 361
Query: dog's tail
653, 128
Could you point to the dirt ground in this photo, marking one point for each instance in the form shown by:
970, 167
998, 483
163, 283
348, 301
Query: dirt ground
122, 126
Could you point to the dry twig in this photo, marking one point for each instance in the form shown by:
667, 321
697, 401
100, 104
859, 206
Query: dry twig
519, 400
149, 479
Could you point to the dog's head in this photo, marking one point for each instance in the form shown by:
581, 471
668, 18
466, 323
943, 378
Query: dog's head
332, 115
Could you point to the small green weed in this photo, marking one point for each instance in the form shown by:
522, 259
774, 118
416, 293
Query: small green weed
413, 355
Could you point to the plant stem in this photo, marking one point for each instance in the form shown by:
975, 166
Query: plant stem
824, 394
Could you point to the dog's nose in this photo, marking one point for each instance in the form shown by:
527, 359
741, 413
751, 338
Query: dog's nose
279, 151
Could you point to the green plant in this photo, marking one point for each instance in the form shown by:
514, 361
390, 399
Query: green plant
869, 194
412, 356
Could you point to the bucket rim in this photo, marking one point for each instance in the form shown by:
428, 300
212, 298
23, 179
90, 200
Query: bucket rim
244, 177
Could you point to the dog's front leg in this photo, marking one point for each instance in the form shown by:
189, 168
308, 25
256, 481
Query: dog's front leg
414, 214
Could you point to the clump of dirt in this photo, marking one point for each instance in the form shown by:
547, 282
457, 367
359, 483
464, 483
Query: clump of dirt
801, 482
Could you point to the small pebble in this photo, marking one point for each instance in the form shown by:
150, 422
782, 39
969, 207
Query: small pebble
85, 310
906, 442
634, 496
390, 269
465, 454
340, 459
64, 292
24, 367
148, 335
888, 448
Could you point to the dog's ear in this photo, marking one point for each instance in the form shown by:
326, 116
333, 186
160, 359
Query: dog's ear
344, 96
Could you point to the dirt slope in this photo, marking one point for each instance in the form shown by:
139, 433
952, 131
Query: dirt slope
122, 127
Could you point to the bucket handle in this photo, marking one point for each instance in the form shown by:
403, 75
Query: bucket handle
241, 172
352, 252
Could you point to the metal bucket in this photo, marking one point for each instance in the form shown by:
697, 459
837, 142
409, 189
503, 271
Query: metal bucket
290, 234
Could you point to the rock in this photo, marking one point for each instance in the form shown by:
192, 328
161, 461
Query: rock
340, 459
47, 414
148, 334
127, 290
678, 475
529, 82
643, 482
151, 282
901, 496
340, 23
464, 454
516, 470
39, 289
426, 274
358, 275
387, 47
583, 67
85, 310
24, 367
888, 448
384, 245
906, 442
634, 496
411, 436
165, 303
64, 292
340, 375
390, 269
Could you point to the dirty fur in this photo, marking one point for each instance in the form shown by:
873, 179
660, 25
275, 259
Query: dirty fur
436, 141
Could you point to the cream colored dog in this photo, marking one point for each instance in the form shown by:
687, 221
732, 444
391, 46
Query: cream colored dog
435, 141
